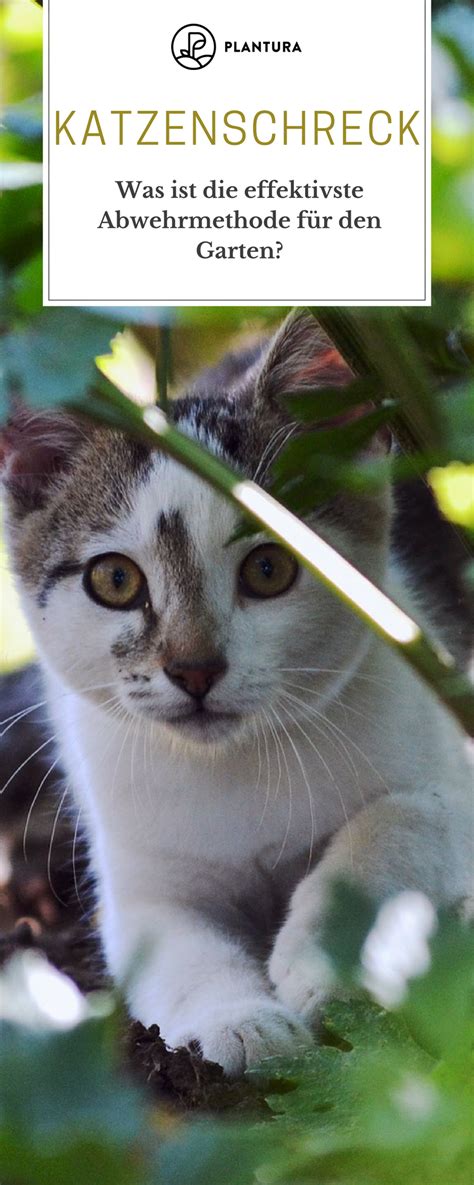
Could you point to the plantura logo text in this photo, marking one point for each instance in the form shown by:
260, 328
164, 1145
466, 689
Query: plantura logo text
194, 46
262, 47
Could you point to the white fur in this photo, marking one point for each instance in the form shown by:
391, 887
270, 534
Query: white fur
191, 842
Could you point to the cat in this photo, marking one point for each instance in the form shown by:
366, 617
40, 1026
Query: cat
233, 736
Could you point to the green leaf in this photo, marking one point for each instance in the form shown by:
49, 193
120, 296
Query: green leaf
20, 224
27, 285
439, 1006
457, 408
328, 402
301, 455
445, 352
52, 359
350, 916
210, 1154
378, 344
312, 467
62, 1104
322, 1085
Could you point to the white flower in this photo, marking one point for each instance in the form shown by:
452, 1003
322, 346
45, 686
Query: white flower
416, 1098
396, 949
34, 994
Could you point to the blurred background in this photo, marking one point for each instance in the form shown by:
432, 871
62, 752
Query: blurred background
198, 337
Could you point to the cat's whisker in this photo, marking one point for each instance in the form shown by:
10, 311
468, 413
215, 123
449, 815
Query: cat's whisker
115, 700
117, 712
31, 808
336, 700
33, 804
259, 772
136, 790
10, 721
337, 738
268, 446
310, 712
16, 716
50, 849
277, 752
282, 430
273, 449
267, 754
129, 723
135, 726
290, 787
305, 779
330, 773
365, 758
355, 746
26, 762
147, 761
306, 782
74, 864
388, 683
357, 712
279, 449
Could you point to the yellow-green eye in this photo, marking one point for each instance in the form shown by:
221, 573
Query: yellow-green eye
267, 571
115, 581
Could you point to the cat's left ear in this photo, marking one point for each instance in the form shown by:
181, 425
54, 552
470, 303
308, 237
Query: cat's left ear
300, 358
35, 447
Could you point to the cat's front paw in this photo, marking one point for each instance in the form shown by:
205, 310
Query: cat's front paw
238, 1035
300, 971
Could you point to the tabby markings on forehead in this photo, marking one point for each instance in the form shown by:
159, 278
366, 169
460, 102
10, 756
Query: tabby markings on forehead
178, 555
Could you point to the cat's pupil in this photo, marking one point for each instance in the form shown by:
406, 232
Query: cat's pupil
118, 577
266, 568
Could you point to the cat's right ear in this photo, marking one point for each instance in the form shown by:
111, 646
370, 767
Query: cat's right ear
35, 447
299, 358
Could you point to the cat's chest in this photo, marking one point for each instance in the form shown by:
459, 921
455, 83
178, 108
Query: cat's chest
248, 811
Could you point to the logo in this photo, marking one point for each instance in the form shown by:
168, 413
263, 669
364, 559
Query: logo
193, 47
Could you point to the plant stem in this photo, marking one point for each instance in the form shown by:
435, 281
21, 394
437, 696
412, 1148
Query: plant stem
163, 366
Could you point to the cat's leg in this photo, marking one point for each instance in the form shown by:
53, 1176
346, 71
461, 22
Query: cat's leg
199, 984
394, 844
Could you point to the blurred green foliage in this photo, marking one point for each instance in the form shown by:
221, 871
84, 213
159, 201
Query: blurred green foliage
383, 1099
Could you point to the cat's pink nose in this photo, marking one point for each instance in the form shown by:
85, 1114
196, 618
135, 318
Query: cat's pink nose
196, 678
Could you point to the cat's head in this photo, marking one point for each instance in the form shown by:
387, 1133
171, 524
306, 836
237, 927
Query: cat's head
133, 592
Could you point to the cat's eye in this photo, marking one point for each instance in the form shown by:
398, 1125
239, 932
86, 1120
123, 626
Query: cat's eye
267, 571
115, 581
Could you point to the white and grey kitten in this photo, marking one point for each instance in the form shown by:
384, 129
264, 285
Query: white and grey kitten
233, 735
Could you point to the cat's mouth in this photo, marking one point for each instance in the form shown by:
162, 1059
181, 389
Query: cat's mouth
203, 723
197, 721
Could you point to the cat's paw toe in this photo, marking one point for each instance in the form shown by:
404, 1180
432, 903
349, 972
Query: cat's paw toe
300, 973
240, 1035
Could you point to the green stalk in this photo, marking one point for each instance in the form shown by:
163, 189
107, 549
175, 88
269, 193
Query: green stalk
378, 611
163, 365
